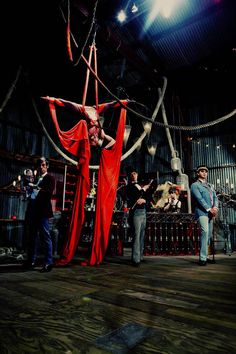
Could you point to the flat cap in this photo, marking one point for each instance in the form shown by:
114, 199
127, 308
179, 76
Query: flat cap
202, 167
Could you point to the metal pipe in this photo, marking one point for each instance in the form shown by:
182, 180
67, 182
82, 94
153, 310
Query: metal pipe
64, 188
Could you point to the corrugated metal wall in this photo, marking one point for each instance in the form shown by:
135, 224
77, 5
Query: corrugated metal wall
20, 134
219, 154
209, 146
21, 140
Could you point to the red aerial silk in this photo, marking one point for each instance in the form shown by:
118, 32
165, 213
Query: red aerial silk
108, 176
76, 141
68, 41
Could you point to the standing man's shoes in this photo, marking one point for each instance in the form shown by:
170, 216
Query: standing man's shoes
211, 261
47, 268
202, 263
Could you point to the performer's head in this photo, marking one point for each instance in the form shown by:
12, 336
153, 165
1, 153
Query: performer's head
96, 136
42, 165
28, 176
174, 193
202, 172
28, 173
132, 174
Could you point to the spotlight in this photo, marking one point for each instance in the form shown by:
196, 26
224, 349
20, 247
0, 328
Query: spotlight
134, 8
121, 16
152, 149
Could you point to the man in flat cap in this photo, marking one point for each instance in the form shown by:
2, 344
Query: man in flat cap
206, 209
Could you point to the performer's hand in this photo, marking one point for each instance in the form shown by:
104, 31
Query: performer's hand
167, 206
53, 100
47, 98
141, 201
213, 211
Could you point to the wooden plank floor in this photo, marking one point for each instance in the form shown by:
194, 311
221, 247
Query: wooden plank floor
168, 305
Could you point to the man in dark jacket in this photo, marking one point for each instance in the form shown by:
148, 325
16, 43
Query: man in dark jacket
40, 212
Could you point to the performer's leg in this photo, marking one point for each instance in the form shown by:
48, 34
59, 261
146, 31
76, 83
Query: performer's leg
142, 234
204, 227
32, 242
137, 220
211, 241
47, 241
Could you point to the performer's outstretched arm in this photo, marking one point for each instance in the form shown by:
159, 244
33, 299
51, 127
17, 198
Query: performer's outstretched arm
75, 107
104, 106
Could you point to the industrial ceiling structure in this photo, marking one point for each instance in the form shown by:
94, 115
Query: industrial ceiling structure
193, 46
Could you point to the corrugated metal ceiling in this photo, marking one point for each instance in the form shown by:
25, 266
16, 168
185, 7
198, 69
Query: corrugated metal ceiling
200, 35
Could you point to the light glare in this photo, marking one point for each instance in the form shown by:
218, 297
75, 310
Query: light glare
121, 16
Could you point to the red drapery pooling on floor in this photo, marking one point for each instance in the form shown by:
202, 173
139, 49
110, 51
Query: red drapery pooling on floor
76, 141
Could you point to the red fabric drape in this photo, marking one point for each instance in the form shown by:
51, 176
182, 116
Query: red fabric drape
68, 41
71, 139
76, 142
106, 193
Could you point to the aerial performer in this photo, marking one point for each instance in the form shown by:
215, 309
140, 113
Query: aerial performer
77, 140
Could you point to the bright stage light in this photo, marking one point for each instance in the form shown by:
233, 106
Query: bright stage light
163, 8
134, 8
121, 16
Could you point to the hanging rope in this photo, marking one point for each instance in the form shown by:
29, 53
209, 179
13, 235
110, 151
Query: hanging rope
143, 117
69, 33
87, 76
96, 71
8, 95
